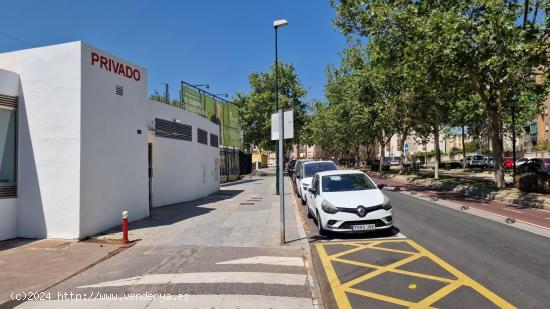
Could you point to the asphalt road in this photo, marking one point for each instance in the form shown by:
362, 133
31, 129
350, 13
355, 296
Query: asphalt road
501, 261
514, 264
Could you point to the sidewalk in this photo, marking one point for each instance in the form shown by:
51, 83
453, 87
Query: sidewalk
35, 265
220, 251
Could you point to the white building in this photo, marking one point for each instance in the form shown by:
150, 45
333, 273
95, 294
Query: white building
78, 137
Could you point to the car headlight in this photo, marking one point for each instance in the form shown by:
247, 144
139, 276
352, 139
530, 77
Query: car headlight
328, 207
387, 203
305, 185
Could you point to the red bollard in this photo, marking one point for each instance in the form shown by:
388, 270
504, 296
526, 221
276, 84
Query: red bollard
125, 227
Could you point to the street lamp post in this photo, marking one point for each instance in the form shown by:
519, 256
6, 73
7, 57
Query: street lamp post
276, 25
280, 185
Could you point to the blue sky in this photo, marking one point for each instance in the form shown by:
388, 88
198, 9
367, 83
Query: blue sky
216, 42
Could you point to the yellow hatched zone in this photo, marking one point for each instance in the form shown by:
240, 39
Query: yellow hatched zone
340, 289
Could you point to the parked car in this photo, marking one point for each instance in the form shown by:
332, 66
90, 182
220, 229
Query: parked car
309, 169
535, 165
489, 162
473, 161
520, 161
508, 162
290, 167
348, 201
297, 170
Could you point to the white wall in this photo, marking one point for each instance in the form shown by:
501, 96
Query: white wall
114, 156
183, 170
49, 139
9, 85
81, 160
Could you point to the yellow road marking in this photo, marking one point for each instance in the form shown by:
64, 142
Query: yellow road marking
395, 270
385, 298
339, 293
339, 289
358, 247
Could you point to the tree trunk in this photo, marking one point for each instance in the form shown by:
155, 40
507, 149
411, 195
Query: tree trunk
437, 155
401, 145
463, 149
496, 143
382, 154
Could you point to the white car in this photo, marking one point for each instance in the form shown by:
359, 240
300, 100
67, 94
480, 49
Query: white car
308, 170
348, 201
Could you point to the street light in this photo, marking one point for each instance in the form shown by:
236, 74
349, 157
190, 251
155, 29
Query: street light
221, 94
276, 25
207, 86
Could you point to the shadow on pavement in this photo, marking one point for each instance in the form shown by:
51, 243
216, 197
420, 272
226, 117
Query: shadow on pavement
170, 214
360, 236
14, 243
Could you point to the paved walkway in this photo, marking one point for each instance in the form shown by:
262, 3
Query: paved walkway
35, 265
222, 251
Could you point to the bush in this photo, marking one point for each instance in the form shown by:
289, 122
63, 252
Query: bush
376, 167
533, 182
451, 165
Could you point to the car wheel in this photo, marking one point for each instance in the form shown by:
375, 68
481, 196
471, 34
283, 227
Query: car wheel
320, 228
309, 215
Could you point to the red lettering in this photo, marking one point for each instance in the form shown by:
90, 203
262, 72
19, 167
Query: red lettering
103, 63
129, 72
95, 58
115, 67
121, 70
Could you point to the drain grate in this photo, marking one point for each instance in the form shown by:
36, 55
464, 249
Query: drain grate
245, 204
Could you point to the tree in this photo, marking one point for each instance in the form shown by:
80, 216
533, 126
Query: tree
256, 106
478, 41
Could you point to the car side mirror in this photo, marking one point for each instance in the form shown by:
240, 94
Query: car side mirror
380, 186
312, 190
298, 176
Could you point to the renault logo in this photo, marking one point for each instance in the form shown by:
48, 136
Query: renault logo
361, 211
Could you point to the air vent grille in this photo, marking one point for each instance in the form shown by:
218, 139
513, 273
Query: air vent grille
213, 140
202, 136
172, 129
8, 101
119, 90
8, 191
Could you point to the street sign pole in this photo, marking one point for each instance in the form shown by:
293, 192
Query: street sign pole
281, 174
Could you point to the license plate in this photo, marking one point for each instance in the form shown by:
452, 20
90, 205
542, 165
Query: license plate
363, 227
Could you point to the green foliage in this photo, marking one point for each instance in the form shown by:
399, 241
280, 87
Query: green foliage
464, 63
543, 146
534, 182
430, 153
476, 147
256, 106
161, 97
455, 151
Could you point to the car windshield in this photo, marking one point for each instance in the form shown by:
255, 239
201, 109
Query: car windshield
347, 182
478, 158
314, 168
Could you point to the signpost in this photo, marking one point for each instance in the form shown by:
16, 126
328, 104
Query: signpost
282, 126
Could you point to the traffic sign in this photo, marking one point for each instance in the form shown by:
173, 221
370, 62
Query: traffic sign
288, 125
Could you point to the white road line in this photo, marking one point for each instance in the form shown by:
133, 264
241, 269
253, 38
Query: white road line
184, 301
269, 260
517, 211
207, 277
